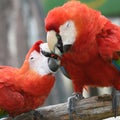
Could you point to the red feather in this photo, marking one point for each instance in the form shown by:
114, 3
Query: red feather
89, 60
23, 89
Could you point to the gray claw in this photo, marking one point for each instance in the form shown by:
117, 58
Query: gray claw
115, 101
71, 103
71, 106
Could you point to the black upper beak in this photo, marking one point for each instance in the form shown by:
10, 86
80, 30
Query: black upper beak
53, 61
60, 46
53, 64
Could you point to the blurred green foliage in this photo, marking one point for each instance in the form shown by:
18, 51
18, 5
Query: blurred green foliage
107, 7
50, 4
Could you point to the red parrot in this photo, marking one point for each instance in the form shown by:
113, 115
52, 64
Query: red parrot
26, 88
88, 45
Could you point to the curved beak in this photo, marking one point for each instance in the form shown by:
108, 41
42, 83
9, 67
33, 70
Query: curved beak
54, 42
53, 64
52, 60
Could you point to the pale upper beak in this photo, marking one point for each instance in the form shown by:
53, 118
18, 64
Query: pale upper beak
52, 41
55, 43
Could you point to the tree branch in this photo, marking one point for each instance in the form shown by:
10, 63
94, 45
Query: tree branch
94, 108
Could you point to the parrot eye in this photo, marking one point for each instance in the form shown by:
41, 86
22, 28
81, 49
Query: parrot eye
31, 58
34, 55
68, 32
68, 24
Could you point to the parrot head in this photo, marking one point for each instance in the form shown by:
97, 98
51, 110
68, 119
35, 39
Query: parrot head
67, 24
61, 31
35, 59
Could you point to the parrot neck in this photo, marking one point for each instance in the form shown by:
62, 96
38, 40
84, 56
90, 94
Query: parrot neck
87, 32
25, 67
90, 26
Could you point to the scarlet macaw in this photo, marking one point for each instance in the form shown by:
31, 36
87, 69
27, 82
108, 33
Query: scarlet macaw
26, 88
88, 45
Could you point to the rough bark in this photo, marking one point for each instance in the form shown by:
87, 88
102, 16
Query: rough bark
94, 108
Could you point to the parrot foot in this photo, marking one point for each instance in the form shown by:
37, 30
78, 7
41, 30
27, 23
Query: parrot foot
71, 103
115, 101
37, 115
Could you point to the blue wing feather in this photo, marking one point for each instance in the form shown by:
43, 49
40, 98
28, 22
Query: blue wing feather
116, 63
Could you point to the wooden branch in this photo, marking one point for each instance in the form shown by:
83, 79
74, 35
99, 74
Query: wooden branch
94, 108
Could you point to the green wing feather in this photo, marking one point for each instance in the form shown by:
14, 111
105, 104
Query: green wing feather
3, 113
116, 63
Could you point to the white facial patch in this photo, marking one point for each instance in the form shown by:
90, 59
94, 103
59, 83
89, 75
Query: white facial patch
39, 63
68, 32
44, 47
